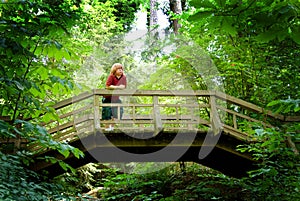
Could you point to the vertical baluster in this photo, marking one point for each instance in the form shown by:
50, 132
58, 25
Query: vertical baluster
234, 121
191, 114
157, 118
133, 113
216, 124
96, 112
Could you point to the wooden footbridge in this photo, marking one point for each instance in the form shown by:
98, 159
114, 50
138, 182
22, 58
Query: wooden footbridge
200, 126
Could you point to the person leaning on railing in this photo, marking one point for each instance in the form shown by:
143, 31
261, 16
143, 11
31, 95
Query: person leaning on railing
115, 80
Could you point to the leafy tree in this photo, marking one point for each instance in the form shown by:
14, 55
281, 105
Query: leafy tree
124, 11
41, 43
255, 45
32, 64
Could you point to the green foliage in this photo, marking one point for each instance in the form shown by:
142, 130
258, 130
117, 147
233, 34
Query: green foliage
275, 180
266, 21
285, 106
82, 180
30, 34
41, 43
253, 44
18, 183
124, 11
277, 177
195, 183
38, 135
133, 187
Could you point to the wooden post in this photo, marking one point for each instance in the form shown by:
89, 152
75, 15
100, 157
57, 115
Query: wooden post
234, 121
192, 116
157, 118
215, 121
96, 112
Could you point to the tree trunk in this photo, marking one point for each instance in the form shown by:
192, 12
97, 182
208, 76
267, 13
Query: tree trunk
176, 8
153, 14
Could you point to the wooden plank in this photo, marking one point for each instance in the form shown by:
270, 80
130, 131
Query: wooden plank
179, 105
117, 121
163, 117
236, 133
5, 118
122, 121
134, 92
72, 100
125, 105
70, 124
77, 111
182, 105
244, 116
292, 118
248, 105
61, 127
65, 133
13, 140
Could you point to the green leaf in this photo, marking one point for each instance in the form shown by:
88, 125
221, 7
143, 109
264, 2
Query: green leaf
227, 26
48, 117
41, 130
44, 19
281, 35
65, 166
64, 150
77, 153
58, 45
200, 16
272, 103
220, 2
37, 93
295, 34
19, 85
266, 36
288, 108
201, 4
43, 72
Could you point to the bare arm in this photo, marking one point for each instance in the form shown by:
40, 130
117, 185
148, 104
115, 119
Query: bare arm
116, 87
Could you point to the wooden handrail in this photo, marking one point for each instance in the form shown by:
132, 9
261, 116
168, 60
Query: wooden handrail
138, 92
182, 93
248, 105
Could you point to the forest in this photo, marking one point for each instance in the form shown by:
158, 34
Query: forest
53, 50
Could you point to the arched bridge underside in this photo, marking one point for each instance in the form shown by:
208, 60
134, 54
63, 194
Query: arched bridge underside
157, 126
161, 148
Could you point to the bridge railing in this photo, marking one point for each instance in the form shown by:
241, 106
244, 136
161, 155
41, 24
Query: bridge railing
155, 110
239, 114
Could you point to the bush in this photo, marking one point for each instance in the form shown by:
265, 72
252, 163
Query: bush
19, 183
